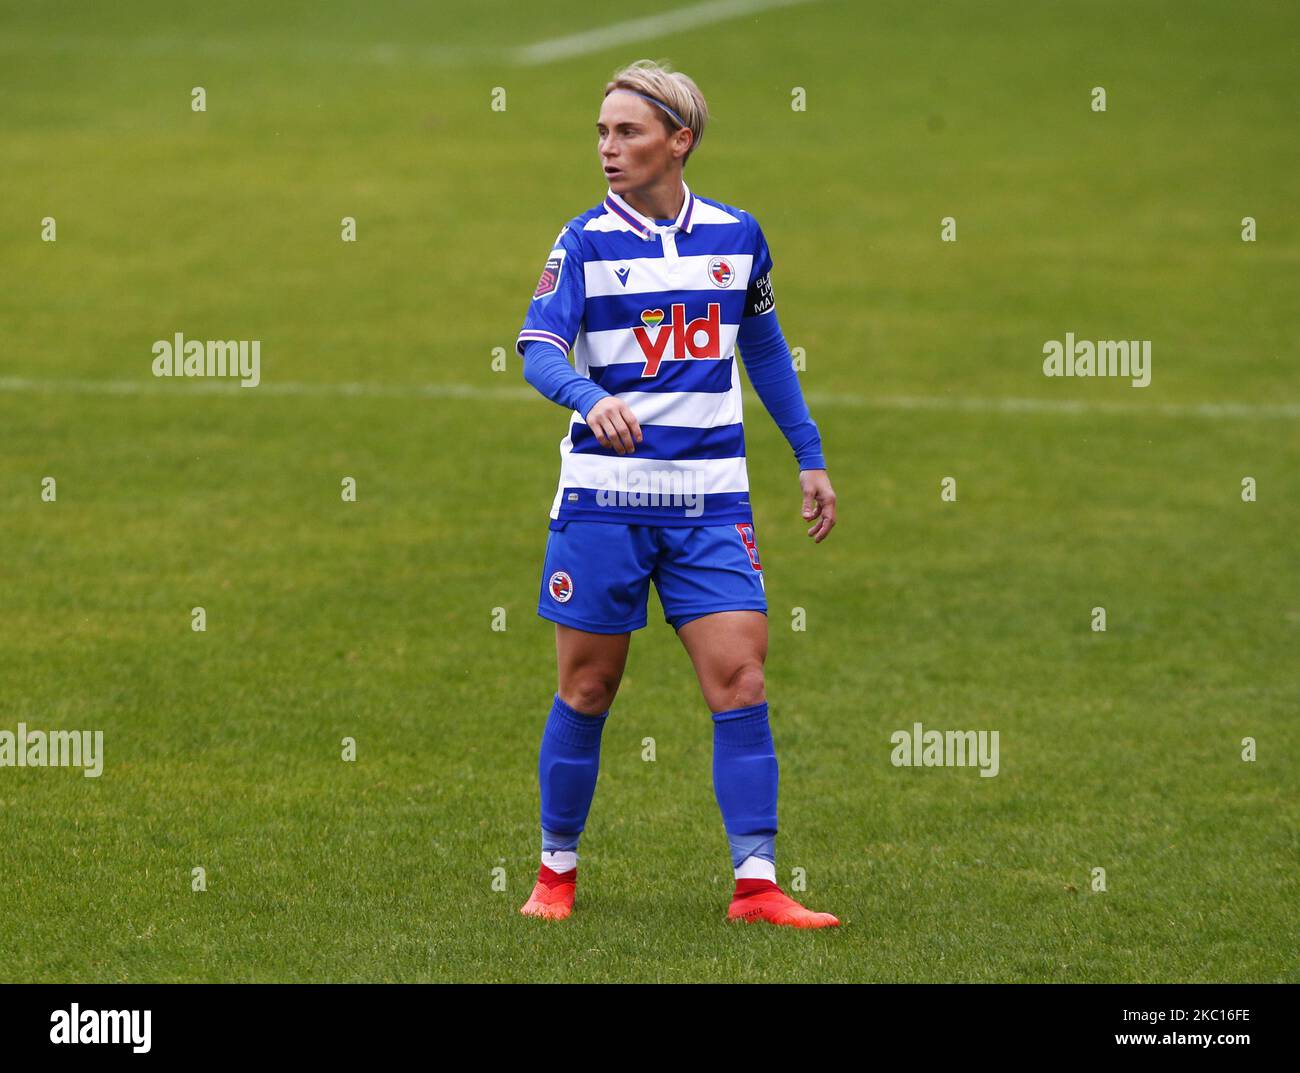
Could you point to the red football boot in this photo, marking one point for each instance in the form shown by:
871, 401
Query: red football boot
552, 897
761, 899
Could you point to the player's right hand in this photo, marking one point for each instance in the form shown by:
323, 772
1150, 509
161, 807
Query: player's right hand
615, 425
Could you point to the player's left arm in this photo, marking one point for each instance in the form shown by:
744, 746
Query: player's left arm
767, 361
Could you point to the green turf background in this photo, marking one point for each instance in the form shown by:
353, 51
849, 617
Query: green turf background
373, 620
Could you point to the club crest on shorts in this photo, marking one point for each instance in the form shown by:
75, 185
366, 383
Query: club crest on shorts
561, 587
720, 272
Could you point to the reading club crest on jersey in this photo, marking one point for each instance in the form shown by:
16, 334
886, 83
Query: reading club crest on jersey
561, 586
720, 272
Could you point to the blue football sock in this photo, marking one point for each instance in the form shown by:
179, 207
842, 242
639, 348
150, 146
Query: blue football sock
745, 781
566, 770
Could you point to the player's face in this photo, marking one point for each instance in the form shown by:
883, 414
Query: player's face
635, 149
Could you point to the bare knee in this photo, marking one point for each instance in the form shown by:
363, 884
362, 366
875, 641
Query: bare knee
745, 686
589, 690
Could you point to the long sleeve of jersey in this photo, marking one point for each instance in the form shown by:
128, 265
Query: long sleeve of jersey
553, 320
547, 368
767, 361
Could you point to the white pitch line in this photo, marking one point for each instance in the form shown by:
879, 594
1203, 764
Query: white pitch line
411, 52
1057, 406
165, 386
298, 50
637, 30
818, 400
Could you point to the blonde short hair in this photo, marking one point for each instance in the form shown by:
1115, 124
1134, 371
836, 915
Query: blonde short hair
672, 88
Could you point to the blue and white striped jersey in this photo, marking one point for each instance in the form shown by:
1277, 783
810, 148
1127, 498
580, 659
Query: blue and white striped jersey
651, 313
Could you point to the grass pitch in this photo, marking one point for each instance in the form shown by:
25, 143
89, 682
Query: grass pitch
373, 620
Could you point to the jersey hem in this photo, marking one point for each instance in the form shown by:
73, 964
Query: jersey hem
675, 520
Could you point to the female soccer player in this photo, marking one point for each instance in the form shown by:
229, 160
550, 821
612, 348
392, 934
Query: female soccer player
652, 289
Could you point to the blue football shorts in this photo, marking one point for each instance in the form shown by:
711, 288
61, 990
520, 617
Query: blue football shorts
596, 575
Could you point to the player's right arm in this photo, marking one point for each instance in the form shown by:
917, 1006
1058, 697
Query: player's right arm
550, 326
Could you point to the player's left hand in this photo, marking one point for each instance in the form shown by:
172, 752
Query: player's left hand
818, 502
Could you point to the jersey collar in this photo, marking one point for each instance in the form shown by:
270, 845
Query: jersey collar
646, 227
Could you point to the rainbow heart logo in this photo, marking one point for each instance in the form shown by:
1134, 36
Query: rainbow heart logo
652, 318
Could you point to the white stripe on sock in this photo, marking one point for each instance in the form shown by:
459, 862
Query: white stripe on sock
756, 868
561, 860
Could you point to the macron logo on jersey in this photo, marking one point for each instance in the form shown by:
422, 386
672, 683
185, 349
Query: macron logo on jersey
701, 338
